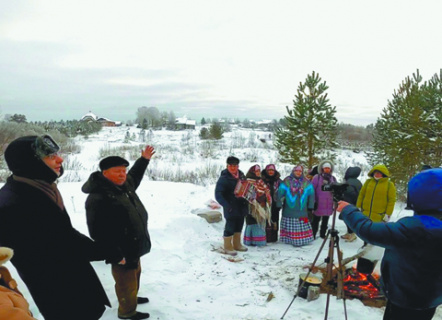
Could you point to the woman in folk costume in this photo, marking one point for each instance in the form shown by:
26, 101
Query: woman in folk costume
298, 197
259, 210
323, 199
272, 179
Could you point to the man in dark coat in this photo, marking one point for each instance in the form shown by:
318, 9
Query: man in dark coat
351, 194
412, 264
117, 220
234, 208
51, 257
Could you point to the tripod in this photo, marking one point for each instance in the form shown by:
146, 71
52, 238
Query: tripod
334, 242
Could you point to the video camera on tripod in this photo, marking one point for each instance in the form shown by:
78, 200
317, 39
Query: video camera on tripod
337, 189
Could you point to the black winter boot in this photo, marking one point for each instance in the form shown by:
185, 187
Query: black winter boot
137, 316
141, 300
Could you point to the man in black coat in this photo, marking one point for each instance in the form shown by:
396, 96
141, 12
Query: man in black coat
51, 257
351, 194
234, 208
117, 220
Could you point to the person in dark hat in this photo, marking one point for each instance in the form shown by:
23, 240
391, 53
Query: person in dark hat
351, 194
117, 220
412, 264
234, 208
51, 257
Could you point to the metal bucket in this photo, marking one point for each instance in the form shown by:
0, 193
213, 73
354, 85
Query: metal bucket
311, 281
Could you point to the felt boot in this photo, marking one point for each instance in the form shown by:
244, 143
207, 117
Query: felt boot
228, 246
237, 242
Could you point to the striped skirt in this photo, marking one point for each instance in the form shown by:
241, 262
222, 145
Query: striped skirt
254, 235
297, 232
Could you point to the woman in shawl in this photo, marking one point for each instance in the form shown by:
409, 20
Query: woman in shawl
272, 179
259, 210
298, 197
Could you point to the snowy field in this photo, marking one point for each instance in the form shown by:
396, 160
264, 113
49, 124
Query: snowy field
182, 276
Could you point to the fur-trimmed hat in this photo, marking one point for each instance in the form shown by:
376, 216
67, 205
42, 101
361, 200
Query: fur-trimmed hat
5, 255
425, 191
113, 161
232, 160
23, 161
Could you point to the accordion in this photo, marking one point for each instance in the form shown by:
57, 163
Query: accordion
245, 189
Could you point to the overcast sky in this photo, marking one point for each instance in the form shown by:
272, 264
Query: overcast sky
242, 59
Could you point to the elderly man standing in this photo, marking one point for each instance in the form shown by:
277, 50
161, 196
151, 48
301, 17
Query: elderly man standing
234, 208
51, 257
117, 220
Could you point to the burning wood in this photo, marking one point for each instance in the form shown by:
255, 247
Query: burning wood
362, 286
356, 285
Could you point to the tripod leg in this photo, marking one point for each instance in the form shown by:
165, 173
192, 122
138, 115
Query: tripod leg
306, 276
329, 267
340, 278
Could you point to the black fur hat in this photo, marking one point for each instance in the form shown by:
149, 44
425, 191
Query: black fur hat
113, 161
22, 160
232, 160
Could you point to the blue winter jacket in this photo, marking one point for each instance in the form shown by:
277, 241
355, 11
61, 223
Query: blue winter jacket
411, 268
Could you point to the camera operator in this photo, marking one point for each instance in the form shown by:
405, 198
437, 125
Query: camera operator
412, 264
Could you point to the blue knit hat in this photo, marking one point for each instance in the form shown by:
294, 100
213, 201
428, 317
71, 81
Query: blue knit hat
425, 191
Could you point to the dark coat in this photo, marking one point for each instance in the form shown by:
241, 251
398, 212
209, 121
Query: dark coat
273, 183
351, 194
232, 206
51, 257
116, 217
412, 264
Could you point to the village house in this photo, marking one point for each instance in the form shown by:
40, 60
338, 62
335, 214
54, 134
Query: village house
184, 123
91, 117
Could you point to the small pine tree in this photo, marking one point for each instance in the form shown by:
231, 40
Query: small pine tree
310, 126
203, 121
216, 131
204, 134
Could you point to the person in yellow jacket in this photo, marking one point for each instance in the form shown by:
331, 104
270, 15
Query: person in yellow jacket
13, 306
378, 195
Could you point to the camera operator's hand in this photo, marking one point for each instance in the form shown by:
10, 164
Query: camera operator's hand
341, 205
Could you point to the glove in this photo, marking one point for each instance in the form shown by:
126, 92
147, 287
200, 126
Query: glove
386, 218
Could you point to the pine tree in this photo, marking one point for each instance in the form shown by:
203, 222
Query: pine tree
311, 125
204, 134
216, 131
409, 132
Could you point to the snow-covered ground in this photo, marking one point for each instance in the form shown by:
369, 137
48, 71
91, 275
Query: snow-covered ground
182, 276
